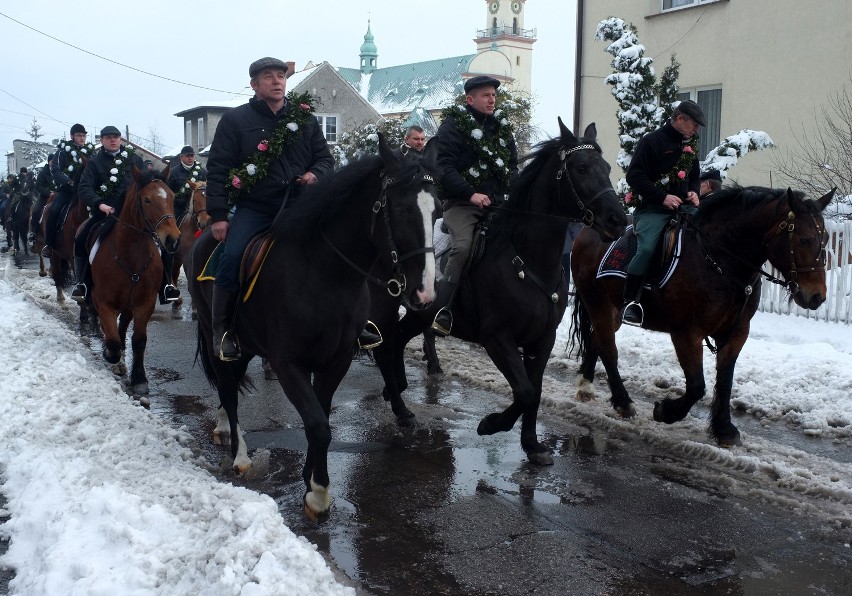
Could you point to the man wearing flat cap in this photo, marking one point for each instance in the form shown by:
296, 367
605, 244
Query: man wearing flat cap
103, 192
663, 175
180, 175
711, 181
294, 156
477, 152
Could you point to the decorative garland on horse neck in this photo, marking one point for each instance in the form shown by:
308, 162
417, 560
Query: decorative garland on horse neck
689, 151
116, 173
493, 153
298, 112
75, 152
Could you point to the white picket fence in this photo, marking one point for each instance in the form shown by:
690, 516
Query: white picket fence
838, 302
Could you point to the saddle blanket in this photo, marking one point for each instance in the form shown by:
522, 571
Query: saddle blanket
620, 252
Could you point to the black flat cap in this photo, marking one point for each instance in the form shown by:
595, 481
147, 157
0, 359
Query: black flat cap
78, 128
480, 81
267, 62
692, 109
711, 175
110, 130
187, 150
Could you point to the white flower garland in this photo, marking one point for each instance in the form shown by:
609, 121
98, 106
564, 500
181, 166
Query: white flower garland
117, 173
75, 153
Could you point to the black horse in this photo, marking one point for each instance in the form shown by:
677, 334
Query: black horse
516, 294
310, 300
713, 292
17, 216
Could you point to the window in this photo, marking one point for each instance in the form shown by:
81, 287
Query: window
670, 4
202, 136
328, 126
187, 132
710, 101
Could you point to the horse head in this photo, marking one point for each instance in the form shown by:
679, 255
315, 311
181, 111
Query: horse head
796, 247
585, 173
152, 201
198, 204
411, 206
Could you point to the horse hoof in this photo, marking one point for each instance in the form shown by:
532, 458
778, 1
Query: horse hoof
731, 440
489, 425
407, 420
270, 375
317, 502
42, 273
242, 468
542, 458
628, 411
221, 438
110, 356
144, 402
139, 388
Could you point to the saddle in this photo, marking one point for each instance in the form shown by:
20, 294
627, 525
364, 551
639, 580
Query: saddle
250, 266
620, 253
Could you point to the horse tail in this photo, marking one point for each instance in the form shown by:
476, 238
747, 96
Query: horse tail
581, 329
203, 356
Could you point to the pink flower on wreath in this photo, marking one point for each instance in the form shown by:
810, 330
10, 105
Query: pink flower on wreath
236, 182
688, 149
628, 197
681, 174
304, 106
263, 146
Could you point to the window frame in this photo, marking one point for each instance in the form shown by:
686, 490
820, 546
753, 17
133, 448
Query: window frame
692, 4
202, 136
322, 120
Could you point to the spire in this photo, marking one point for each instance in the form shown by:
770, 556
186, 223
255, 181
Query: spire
369, 52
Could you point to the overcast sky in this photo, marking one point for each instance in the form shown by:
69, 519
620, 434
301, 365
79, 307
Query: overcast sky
210, 44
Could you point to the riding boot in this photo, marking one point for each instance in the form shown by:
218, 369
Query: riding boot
631, 311
370, 336
443, 323
225, 343
168, 292
80, 291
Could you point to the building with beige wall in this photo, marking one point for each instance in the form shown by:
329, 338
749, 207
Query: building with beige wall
767, 65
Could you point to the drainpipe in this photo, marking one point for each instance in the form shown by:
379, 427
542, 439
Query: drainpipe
578, 63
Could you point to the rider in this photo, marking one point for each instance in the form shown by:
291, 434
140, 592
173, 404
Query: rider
415, 138
244, 135
44, 186
476, 150
664, 174
66, 163
103, 185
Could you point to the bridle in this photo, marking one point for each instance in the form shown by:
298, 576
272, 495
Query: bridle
588, 217
148, 229
192, 211
397, 284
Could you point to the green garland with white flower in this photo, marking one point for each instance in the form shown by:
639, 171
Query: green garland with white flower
299, 111
116, 173
492, 153
76, 154
185, 191
680, 170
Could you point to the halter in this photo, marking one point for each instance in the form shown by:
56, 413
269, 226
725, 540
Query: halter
148, 230
588, 217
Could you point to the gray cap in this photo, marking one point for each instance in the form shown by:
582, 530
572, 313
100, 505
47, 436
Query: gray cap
480, 81
110, 130
711, 175
691, 109
259, 65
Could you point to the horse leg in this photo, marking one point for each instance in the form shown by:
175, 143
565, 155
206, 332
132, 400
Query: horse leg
430, 353
222, 432
390, 358
535, 361
109, 327
603, 340
721, 427
688, 350
138, 342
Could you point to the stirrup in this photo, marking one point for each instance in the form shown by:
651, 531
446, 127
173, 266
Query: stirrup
439, 327
46, 251
370, 336
629, 314
78, 294
231, 338
169, 294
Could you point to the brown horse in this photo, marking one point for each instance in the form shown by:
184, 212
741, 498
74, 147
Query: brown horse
127, 269
190, 224
712, 293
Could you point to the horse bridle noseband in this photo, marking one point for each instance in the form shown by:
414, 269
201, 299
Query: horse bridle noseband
397, 284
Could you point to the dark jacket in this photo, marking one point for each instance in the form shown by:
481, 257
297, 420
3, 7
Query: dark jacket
456, 155
237, 136
44, 183
62, 177
178, 178
656, 154
97, 172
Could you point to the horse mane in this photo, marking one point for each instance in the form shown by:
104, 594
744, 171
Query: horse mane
521, 189
738, 199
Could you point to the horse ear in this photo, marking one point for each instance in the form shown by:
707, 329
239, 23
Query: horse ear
136, 173
591, 132
388, 156
825, 199
568, 137
430, 152
165, 172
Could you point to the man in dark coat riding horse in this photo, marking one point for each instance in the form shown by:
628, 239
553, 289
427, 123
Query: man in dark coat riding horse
663, 175
103, 186
470, 142
181, 174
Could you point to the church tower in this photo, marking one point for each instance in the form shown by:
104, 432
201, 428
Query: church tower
369, 53
504, 47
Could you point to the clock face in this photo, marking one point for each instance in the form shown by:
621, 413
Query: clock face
516, 7
494, 6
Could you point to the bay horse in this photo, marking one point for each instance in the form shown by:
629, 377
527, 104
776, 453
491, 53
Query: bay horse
190, 225
515, 296
310, 300
713, 293
17, 217
127, 270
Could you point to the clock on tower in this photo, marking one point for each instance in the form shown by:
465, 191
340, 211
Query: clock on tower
494, 6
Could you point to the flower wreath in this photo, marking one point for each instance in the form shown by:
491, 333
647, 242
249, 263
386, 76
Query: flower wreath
298, 113
76, 154
185, 191
116, 173
493, 154
680, 170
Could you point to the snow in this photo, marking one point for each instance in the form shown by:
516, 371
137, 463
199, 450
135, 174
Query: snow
103, 497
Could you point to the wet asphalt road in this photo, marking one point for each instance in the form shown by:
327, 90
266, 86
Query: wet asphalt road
436, 509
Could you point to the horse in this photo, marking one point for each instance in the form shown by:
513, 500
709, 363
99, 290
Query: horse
127, 270
17, 217
190, 225
310, 301
712, 293
516, 294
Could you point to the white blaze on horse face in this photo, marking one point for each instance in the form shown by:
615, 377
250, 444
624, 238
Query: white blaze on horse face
426, 204
162, 194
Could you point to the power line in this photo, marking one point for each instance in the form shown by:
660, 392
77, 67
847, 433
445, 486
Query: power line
151, 74
33, 107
